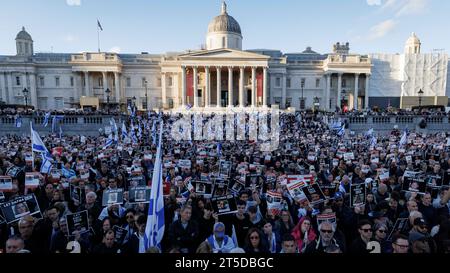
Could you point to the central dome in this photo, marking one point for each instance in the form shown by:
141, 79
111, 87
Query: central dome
224, 23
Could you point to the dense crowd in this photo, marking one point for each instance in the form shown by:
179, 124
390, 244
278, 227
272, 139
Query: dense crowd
361, 192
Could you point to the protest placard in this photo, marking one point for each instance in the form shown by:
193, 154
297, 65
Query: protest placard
121, 234
357, 195
295, 191
112, 197
203, 188
136, 180
6, 184
274, 202
219, 188
184, 163
349, 156
434, 180
224, 169
32, 180
414, 182
326, 217
20, 206
224, 204
78, 222
13, 171
314, 194
77, 194
139, 194
399, 226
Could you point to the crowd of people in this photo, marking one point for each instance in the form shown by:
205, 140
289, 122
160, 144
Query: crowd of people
358, 192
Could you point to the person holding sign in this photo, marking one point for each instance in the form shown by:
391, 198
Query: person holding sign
304, 234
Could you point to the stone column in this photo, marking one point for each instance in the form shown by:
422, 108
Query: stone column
241, 86
33, 91
195, 87
3, 87
183, 86
338, 103
219, 85
208, 87
164, 90
326, 97
283, 92
230, 87
88, 88
356, 92
10, 88
117, 84
254, 91
265, 87
366, 98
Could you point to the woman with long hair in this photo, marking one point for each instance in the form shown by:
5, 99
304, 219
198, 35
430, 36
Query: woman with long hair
304, 234
255, 242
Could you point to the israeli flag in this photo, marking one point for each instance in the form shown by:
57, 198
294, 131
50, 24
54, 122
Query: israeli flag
219, 149
46, 118
37, 144
113, 124
341, 131
404, 138
46, 165
124, 131
154, 230
18, 122
55, 120
369, 133
154, 132
68, 173
373, 141
336, 125
109, 142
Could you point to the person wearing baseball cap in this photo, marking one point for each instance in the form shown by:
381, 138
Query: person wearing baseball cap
219, 242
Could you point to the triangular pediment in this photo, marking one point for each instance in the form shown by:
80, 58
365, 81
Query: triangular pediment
223, 54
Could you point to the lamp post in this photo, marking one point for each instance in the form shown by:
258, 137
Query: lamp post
108, 94
146, 95
316, 103
303, 99
420, 97
25, 95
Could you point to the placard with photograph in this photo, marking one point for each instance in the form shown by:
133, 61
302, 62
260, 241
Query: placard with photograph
184, 163
112, 197
136, 181
220, 188
224, 204
414, 182
6, 184
328, 217
224, 169
55, 173
32, 180
236, 186
329, 191
13, 171
203, 188
77, 194
121, 233
20, 206
274, 202
78, 221
314, 194
295, 190
434, 180
357, 195
140, 194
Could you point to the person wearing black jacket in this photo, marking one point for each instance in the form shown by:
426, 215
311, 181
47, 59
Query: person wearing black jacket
184, 232
108, 245
359, 245
133, 246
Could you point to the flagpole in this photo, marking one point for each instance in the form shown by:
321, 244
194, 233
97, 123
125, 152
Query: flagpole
98, 38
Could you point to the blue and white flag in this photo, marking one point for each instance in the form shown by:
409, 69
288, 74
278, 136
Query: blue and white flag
46, 118
54, 121
37, 144
46, 165
369, 133
336, 125
404, 138
68, 173
154, 230
219, 149
113, 124
154, 132
18, 122
341, 131
60, 132
373, 142
109, 142
124, 131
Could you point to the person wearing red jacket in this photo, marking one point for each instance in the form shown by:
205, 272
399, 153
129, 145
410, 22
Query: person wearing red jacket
303, 234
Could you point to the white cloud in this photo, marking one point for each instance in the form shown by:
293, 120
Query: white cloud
73, 2
115, 49
70, 38
380, 30
410, 7
373, 2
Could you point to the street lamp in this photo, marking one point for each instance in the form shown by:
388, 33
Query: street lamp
108, 94
316, 103
303, 99
146, 95
25, 95
420, 97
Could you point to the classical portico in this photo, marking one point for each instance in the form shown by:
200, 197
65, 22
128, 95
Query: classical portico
220, 78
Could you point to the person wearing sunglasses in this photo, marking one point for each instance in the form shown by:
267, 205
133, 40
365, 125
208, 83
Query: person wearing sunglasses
255, 242
327, 237
359, 245
380, 235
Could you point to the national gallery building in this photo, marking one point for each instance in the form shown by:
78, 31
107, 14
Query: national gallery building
223, 75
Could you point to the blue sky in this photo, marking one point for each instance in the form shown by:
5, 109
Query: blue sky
158, 26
